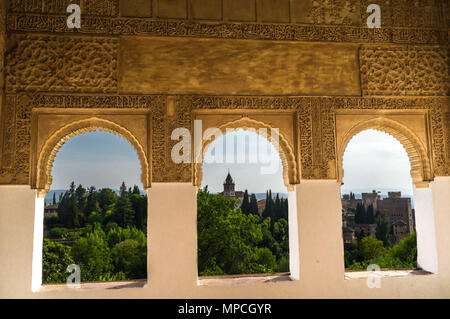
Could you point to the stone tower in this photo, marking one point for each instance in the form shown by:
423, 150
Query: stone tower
228, 186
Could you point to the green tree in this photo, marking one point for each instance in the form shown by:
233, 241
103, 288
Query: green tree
277, 209
123, 213
139, 206
269, 210
360, 214
253, 205
68, 211
245, 205
285, 209
123, 190
228, 239
58, 232
95, 217
106, 198
350, 254
370, 215
136, 190
81, 198
361, 235
92, 203
267, 236
283, 264
383, 229
130, 257
55, 259
369, 248
403, 254
93, 255
281, 235
54, 198
51, 221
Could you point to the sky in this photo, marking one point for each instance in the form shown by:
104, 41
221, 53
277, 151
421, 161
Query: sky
372, 160
375, 160
97, 158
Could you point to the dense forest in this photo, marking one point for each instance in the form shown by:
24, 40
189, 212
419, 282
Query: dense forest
237, 240
99, 230
105, 234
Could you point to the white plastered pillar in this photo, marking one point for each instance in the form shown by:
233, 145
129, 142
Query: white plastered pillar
320, 233
294, 253
21, 233
440, 189
172, 237
425, 229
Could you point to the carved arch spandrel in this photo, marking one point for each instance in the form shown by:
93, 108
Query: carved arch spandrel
52, 145
421, 170
286, 151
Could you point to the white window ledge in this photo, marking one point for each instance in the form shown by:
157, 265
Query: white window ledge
243, 279
386, 273
139, 283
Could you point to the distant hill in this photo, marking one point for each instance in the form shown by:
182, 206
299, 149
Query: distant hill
260, 196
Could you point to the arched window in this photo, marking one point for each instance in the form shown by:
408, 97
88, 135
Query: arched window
95, 214
377, 203
243, 209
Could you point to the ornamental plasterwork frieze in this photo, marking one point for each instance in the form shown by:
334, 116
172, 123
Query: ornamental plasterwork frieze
90, 7
225, 30
315, 118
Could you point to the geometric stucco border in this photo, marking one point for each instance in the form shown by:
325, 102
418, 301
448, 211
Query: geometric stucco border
43, 23
315, 117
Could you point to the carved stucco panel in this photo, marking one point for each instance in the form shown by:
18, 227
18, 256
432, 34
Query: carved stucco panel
62, 64
404, 71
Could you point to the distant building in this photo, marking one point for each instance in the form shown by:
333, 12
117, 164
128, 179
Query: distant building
369, 229
397, 208
229, 189
349, 235
50, 210
399, 230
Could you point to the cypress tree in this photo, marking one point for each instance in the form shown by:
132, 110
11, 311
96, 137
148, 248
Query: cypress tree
54, 198
360, 235
370, 215
92, 203
123, 189
245, 206
123, 213
285, 208
277, 210
253, 205
81, 197
136, 190
382, 231
268, 210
